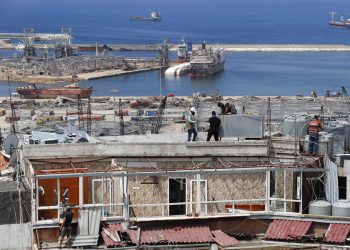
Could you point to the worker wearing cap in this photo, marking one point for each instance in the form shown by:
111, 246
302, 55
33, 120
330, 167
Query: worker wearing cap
191, 124
314, 128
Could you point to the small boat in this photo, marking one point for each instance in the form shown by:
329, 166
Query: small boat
342, 23
72, 91
154, 16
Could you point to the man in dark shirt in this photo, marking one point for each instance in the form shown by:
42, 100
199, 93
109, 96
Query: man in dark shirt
66, 226
214, 125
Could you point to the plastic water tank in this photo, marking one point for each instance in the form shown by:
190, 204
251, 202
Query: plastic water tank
320, 207
295, 125
338, 131
341, 208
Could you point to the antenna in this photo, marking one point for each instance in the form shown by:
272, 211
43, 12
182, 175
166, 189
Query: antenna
333, 13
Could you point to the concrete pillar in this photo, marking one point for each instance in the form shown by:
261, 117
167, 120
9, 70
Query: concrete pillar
124, 195
198, 199
267, 192
81, 192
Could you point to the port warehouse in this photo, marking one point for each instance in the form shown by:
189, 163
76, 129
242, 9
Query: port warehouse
139, 183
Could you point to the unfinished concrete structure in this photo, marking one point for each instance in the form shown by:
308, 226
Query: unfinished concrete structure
136, 183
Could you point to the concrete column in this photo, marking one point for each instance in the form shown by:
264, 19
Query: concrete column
284, 190
58, 192
81, 192
124, 194
198, 200
267, 192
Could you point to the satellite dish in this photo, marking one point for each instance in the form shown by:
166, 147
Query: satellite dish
10, 142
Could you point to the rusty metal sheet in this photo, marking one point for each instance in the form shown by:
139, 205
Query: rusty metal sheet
223, 239
337, 233
176, 235
287, 229
112, 238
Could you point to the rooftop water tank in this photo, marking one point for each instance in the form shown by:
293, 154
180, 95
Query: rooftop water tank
338, 131
341, 208
295, 125
325, 143
320, 207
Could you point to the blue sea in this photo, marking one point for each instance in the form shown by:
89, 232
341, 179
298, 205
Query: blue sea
219, 21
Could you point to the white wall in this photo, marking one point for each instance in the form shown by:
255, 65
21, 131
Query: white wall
15, 236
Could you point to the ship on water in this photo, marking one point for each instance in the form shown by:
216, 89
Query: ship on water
72, 91
342, 23
203, 62
154, 16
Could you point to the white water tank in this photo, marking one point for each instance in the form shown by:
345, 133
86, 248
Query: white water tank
320, 207
295, 125
341, 208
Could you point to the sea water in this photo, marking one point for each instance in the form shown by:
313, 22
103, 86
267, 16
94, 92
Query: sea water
221, 21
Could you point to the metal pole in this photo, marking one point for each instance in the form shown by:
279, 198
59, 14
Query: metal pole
160, 82
269, 123
295, 135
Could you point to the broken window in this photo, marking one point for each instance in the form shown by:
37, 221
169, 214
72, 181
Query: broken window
177, 194
342, 187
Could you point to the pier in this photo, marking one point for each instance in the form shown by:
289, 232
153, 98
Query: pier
237, 47
36, 36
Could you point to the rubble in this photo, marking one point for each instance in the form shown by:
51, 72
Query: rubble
66, 68
140, 114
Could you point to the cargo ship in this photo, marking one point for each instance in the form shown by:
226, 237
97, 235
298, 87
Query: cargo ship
342, 23
72, 91
203, 62
154, 16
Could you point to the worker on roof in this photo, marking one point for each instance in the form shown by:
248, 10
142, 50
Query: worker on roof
191, 124
314, 128
214, 125
227, 108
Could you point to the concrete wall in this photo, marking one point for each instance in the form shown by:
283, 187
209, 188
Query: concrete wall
132, 149
15, 236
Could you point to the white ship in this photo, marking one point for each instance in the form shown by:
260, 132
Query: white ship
206, 62
203, 62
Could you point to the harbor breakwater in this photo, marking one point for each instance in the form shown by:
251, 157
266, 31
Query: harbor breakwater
238, 47
228, 47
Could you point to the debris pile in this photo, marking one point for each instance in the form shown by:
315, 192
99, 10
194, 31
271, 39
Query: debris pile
17, 68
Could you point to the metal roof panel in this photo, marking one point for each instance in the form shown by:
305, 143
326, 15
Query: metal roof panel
287, 229
223, 239
337, 233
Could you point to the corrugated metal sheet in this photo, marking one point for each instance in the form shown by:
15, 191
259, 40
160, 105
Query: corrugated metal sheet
177, 235
287, 229
223, 239
337, 233
332, 191
88, 228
